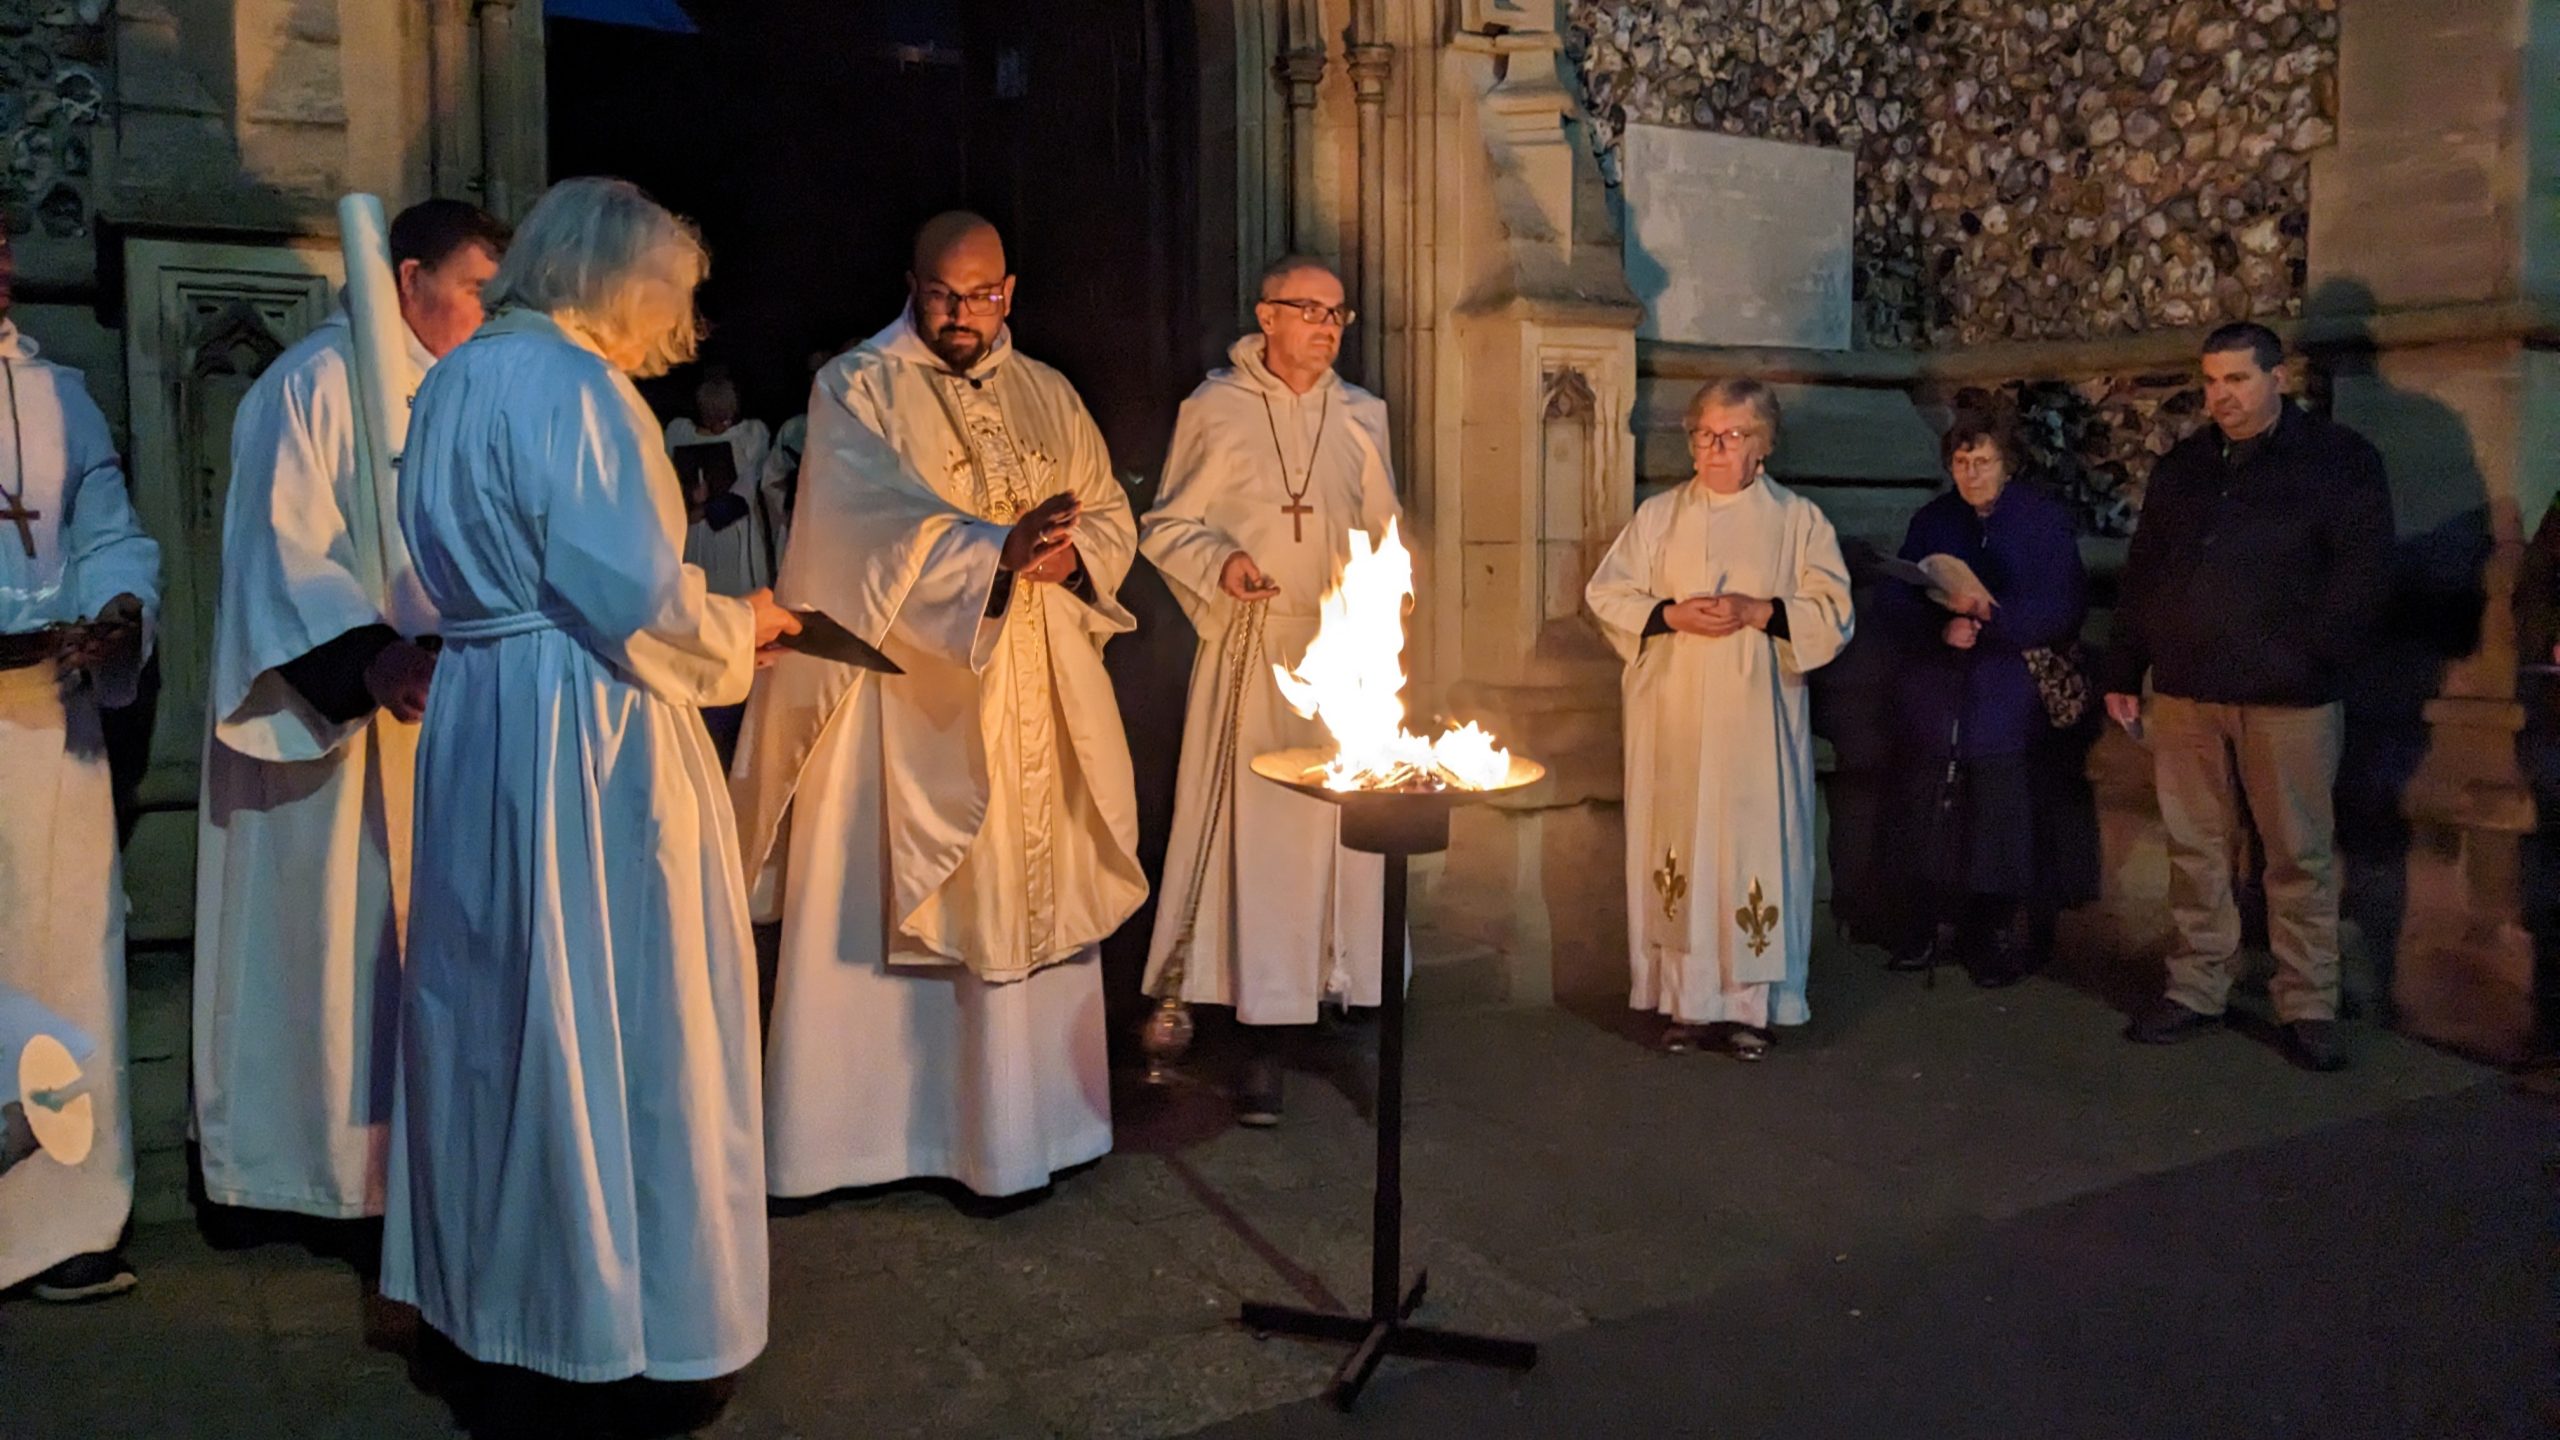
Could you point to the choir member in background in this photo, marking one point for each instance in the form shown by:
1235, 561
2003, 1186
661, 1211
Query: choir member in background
727, 536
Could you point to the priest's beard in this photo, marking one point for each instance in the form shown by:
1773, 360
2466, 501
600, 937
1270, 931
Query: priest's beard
958, 346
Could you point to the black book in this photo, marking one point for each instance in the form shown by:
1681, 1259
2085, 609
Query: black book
707, 470
820, 635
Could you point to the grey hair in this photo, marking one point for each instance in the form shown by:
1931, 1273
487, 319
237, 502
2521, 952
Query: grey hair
600, 254
1736, 390
1287, 265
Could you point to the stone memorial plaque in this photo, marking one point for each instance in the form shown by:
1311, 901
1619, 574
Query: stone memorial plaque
1732, 241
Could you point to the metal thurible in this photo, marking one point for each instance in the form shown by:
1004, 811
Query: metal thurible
1165, 1038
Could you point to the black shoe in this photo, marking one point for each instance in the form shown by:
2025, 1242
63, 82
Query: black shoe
2166, 1022
2313, 1045
1913, 955
85, 1277
1258, 1095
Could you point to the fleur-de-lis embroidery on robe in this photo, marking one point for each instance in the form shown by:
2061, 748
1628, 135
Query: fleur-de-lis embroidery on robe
1670, 884
1758, 919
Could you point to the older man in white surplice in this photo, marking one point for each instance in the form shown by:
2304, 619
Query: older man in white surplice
1276, 461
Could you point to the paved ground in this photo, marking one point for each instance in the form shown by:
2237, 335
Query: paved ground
1788, 1249
2389, 1277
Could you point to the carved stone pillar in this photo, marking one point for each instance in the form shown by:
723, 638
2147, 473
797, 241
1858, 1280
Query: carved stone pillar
1372, 62
453, 69
1544, 477
1301, 70
515, 167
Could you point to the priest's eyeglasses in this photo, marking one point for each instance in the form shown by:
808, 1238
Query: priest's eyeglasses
946, 301
1720, 440
1316, 312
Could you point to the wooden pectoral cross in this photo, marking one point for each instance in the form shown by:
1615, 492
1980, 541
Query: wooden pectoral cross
1296, 510
18, 514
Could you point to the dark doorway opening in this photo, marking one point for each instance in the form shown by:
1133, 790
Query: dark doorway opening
809, 138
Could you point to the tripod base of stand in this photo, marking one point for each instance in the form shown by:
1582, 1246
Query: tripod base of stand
1374, 1338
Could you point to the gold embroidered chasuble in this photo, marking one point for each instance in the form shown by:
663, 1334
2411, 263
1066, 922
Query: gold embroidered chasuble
1003, 780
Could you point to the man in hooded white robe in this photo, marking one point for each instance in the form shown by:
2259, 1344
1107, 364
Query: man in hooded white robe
1271, 471
961, 836
71, 550
1722, 595
302, 833
577, 1161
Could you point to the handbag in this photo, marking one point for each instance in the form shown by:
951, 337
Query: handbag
2061, 674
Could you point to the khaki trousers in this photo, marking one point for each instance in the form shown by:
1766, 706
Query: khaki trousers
2285, 759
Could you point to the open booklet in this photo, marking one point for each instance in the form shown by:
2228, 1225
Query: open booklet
1950, 582
820, 635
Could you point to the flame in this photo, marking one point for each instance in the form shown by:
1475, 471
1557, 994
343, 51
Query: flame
1352, 680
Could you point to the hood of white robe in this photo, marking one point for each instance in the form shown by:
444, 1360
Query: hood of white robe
902, 341
1252, 371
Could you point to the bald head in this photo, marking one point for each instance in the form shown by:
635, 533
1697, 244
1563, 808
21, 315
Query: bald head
954, 235
959, 287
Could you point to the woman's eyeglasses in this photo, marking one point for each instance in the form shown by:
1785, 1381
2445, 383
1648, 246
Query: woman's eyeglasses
1721, 440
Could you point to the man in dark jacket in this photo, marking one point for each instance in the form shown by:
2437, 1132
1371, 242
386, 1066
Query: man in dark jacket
2262, 560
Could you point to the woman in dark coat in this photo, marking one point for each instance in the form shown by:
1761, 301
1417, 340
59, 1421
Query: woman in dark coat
1972, 721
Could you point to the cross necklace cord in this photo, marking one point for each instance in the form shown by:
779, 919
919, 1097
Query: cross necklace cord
17, 512
1297, 509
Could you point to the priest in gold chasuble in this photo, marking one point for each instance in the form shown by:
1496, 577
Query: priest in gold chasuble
946, 845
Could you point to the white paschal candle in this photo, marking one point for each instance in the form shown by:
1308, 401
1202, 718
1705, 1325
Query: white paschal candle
386, 377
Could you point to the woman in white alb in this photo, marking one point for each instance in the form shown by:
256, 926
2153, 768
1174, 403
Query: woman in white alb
577, 1166
1722, 595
